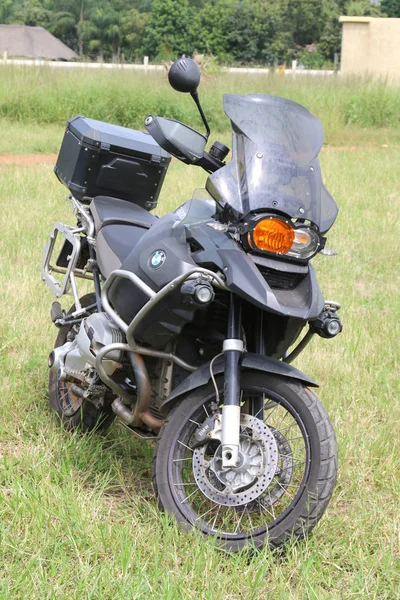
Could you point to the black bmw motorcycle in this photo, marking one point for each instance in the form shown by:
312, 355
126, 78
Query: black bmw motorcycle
194, 318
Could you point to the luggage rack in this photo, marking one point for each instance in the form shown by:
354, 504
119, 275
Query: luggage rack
71, 271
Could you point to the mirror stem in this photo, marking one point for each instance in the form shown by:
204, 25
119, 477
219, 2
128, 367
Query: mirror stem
195, 97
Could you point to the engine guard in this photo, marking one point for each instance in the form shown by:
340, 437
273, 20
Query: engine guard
255, 362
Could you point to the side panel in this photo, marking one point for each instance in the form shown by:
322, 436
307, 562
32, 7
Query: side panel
250, 361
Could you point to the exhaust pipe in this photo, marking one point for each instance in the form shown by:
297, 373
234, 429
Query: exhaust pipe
139, 414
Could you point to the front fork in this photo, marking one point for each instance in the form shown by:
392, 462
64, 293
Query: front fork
233, 351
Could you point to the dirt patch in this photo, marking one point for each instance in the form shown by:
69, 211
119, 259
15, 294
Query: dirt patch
27, 159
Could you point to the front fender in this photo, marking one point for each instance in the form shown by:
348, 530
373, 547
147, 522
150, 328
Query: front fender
255, 362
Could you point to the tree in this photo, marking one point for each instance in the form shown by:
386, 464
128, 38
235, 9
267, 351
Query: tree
238, 25
167, 34
32, 13
104, 32
133, 27
208, 31
363, 8
331, 38
242, 31
391, 8
70, 22
6, 9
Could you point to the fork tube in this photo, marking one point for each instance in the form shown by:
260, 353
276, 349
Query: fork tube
256, 406
233, 350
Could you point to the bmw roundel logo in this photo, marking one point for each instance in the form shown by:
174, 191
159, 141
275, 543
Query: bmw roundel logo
157, 259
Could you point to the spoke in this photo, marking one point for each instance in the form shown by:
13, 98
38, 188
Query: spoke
283, 418
195, 422
216, 517
270, 413
190, 495
188, 447
296, 480
291, 457
287, 428
285, 490
262, 408
206, 513
299, 437
193, 483
205, 410
287, 469
240, 520
291, 485
180, 459
251, 522
265, 508
63, 396
271, 505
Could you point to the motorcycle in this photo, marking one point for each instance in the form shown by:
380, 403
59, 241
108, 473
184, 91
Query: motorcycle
194, 318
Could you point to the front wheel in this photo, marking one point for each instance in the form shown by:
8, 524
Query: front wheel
285, 476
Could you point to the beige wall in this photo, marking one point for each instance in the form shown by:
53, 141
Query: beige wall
371, 47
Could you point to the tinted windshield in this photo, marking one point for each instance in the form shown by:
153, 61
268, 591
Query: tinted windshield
201, 208
274, 161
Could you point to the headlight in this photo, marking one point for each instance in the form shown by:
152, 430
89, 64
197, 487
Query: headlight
282, 237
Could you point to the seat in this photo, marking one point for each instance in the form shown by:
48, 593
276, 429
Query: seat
119, 226
108, 211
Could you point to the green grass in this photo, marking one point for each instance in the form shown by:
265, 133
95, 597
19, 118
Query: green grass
348, 108
17, 138
78, 519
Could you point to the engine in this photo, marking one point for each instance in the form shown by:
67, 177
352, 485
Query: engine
76, 358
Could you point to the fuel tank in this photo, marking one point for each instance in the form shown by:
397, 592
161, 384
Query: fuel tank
160, 255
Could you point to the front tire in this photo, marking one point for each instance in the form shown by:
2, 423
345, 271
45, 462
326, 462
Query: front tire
246, 507
75, 412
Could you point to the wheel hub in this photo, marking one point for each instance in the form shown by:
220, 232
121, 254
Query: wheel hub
258, 460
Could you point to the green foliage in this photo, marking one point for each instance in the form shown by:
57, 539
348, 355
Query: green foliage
363, 8
79, 520
391, 8
312, 60
233, 31
133, 28
329, 43
167, 33
43, 97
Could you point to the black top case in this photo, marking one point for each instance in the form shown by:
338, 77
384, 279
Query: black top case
98, 158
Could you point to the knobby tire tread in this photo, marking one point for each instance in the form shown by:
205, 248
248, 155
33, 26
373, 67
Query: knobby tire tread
316, 503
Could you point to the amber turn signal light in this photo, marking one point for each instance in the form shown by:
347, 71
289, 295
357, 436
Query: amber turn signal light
272, 235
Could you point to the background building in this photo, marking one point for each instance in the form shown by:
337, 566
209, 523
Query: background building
371, 46
32, 42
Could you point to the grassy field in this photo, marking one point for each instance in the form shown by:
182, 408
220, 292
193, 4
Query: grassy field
350, 109
78, 517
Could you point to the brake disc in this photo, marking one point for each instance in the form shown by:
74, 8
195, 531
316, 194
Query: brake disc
258, 461
283, 477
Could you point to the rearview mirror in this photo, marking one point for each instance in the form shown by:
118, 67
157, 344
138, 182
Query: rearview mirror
184, 75
178, 139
